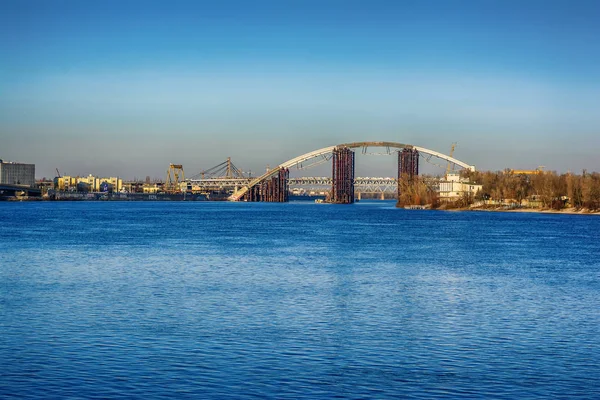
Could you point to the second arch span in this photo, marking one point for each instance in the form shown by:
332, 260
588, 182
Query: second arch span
329, 150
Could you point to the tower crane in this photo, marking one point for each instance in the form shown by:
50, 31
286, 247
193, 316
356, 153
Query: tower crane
451, 155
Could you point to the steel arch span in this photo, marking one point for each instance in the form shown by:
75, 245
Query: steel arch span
327, 151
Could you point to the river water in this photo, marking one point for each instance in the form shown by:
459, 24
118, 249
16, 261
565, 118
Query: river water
299, 300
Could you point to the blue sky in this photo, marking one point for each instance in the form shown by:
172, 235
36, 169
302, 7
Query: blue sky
126, 87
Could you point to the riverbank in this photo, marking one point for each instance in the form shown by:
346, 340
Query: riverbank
573, 210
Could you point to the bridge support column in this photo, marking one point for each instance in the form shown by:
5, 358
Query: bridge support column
253, 194
342, 188
273, 190
408, 172
408, 163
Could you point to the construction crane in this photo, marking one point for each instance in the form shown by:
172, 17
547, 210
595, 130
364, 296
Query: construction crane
451, 155
173, 183
58, 173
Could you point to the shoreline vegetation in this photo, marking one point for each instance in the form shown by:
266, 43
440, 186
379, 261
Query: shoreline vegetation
507, 191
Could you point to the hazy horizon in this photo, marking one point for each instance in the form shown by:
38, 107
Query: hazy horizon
125, 88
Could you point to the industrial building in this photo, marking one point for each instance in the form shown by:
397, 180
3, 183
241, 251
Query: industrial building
13, 173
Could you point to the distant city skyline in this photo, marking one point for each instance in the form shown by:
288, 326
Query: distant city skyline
125, 88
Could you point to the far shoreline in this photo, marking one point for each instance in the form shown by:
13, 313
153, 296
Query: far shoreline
567, 211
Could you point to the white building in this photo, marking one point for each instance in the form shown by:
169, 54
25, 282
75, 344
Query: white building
453, 187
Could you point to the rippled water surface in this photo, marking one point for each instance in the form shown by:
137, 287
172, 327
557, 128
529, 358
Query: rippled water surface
299, 300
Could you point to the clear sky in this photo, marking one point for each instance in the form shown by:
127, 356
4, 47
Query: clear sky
126, 87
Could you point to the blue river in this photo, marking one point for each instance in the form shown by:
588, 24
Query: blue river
161, 300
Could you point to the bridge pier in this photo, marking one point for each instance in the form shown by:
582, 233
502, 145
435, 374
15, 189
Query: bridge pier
408, 163
342, 188
273, 190
408, 167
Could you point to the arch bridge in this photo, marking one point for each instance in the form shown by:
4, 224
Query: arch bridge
272, 186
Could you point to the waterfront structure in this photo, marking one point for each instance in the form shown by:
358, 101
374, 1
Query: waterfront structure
13, 173
88, 183
453, 187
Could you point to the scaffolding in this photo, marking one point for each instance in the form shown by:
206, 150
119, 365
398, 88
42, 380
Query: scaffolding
408, 166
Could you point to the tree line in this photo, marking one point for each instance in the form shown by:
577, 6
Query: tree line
541, 190
547, 189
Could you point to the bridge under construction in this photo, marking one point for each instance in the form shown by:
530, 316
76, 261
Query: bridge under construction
275, 184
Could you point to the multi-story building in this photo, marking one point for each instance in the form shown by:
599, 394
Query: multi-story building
115, 184
12, 173
88, 183
453, 187
65, 183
